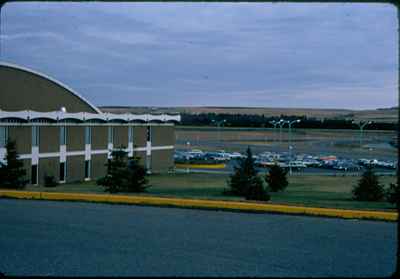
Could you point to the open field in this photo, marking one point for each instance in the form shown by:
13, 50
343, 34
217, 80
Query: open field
317, 191
342, 143
379, 115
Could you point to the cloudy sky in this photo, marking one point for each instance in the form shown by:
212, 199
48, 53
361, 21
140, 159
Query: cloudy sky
220, 54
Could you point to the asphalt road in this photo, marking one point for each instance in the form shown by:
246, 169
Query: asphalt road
88, 239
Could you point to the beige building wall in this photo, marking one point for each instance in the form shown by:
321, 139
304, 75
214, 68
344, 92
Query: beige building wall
49, 139
98, 166
99, 137
75, 138
162, 135
48, 166
120, 136
139, 136
23, 138
162, 160
75, 168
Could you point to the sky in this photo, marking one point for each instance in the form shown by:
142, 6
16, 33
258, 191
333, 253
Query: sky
338, 55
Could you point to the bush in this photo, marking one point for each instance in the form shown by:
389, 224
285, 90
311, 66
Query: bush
123, 174
12, 173
368, 187
276, 178
50, 181
245, 181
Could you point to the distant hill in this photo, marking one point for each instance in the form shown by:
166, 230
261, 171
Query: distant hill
379, 115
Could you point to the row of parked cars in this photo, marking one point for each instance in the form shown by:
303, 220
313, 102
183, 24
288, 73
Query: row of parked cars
283, 159
327, 162
199, 155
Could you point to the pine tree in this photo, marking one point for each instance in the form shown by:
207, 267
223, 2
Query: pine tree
256, 190
393, 194
276, 178
124, 174
368, 187
12, 173
137, 181
116, 171
245, 181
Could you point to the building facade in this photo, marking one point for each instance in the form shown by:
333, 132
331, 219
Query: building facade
74, 142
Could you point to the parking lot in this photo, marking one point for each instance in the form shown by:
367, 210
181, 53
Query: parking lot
306, 152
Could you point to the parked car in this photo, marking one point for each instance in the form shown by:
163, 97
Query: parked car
312, 163
297, 164
215, 156
235, 155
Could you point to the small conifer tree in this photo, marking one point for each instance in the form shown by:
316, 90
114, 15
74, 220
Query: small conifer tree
116, 171
137, 181
245, 181
12, 172
276, 178
368, 187
123, 174
393, 194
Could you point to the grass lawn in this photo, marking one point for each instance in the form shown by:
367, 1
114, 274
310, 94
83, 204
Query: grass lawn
316, 191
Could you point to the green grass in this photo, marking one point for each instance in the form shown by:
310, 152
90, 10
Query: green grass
315, 191
327, 191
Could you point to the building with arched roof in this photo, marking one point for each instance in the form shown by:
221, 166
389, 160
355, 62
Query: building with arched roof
25, 89
58, 133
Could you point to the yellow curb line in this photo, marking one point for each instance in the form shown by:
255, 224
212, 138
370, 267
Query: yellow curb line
201, 166
246, 206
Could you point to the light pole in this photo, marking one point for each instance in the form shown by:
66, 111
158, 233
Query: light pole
219, 123
290, 143
281, 124
361, 126
274, 123
187, 156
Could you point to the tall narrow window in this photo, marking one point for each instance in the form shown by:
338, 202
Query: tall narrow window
35, 135
88, 135
148, 133
87, 169
62, 171
34, 175
111, 134
3, 136
63, 135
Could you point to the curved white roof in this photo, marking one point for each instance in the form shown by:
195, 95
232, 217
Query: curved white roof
51, 79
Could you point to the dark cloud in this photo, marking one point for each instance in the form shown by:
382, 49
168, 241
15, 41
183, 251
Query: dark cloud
244, 54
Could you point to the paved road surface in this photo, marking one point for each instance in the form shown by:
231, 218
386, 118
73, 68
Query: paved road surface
88, 239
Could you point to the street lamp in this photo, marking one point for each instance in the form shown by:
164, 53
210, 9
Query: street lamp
274, 123
281, 124
219, 123
290, 143
187, 156
361, 125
